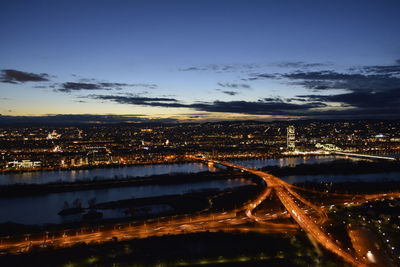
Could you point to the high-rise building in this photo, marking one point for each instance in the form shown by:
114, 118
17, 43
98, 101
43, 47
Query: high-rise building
291, 138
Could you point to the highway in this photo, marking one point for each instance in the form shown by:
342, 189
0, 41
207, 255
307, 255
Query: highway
306, 223
362, 155
225, 221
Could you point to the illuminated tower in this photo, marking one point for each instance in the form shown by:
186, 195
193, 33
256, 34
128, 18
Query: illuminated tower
291, 138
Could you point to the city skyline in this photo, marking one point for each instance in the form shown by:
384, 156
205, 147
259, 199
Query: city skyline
201, 132
103, 61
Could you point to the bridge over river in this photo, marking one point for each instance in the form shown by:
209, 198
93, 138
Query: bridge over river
357, 155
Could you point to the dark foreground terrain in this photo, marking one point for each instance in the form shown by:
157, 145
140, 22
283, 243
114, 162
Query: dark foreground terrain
220, 249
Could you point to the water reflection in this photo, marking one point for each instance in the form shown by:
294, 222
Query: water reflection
43, 209
283, 162
100, 173
146, 170
370, 177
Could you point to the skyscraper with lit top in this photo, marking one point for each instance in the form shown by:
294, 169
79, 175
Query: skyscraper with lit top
291, 138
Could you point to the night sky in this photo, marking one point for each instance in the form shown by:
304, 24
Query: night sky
199, 60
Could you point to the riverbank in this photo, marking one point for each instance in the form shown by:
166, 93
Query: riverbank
18, 190
178, 160
339, 166
351, 187
191, 203
98, 166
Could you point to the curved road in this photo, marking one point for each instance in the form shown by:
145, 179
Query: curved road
305, 222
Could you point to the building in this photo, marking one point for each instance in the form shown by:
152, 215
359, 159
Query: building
24, 164
328, 147
291, 138
53, 135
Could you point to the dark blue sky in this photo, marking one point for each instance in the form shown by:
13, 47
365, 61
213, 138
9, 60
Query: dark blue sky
200, 60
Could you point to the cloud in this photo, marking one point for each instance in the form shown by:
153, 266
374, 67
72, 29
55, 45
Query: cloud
251, 67
222, 68
141, 101
322, 80
390, 99
67, 119
374, 76
261, 76
235, 85
382, 112
385, 69
267, 106
71, 86
373, 91
231, 93
232, 86
394, 69
367, 92
194, 69
274, 99
300, 64
261, 107
68, 87
321, 75
357, 104
16, 76
210, 67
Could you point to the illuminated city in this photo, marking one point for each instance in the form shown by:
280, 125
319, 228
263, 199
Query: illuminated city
186, 133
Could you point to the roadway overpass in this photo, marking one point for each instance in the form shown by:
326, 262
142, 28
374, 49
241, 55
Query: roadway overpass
331, 148
362, 155
282, 190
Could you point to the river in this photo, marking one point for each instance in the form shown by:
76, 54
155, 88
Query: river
43, 209
42, 177
329, 178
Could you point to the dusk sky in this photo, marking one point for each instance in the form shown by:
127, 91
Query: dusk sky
199, 60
